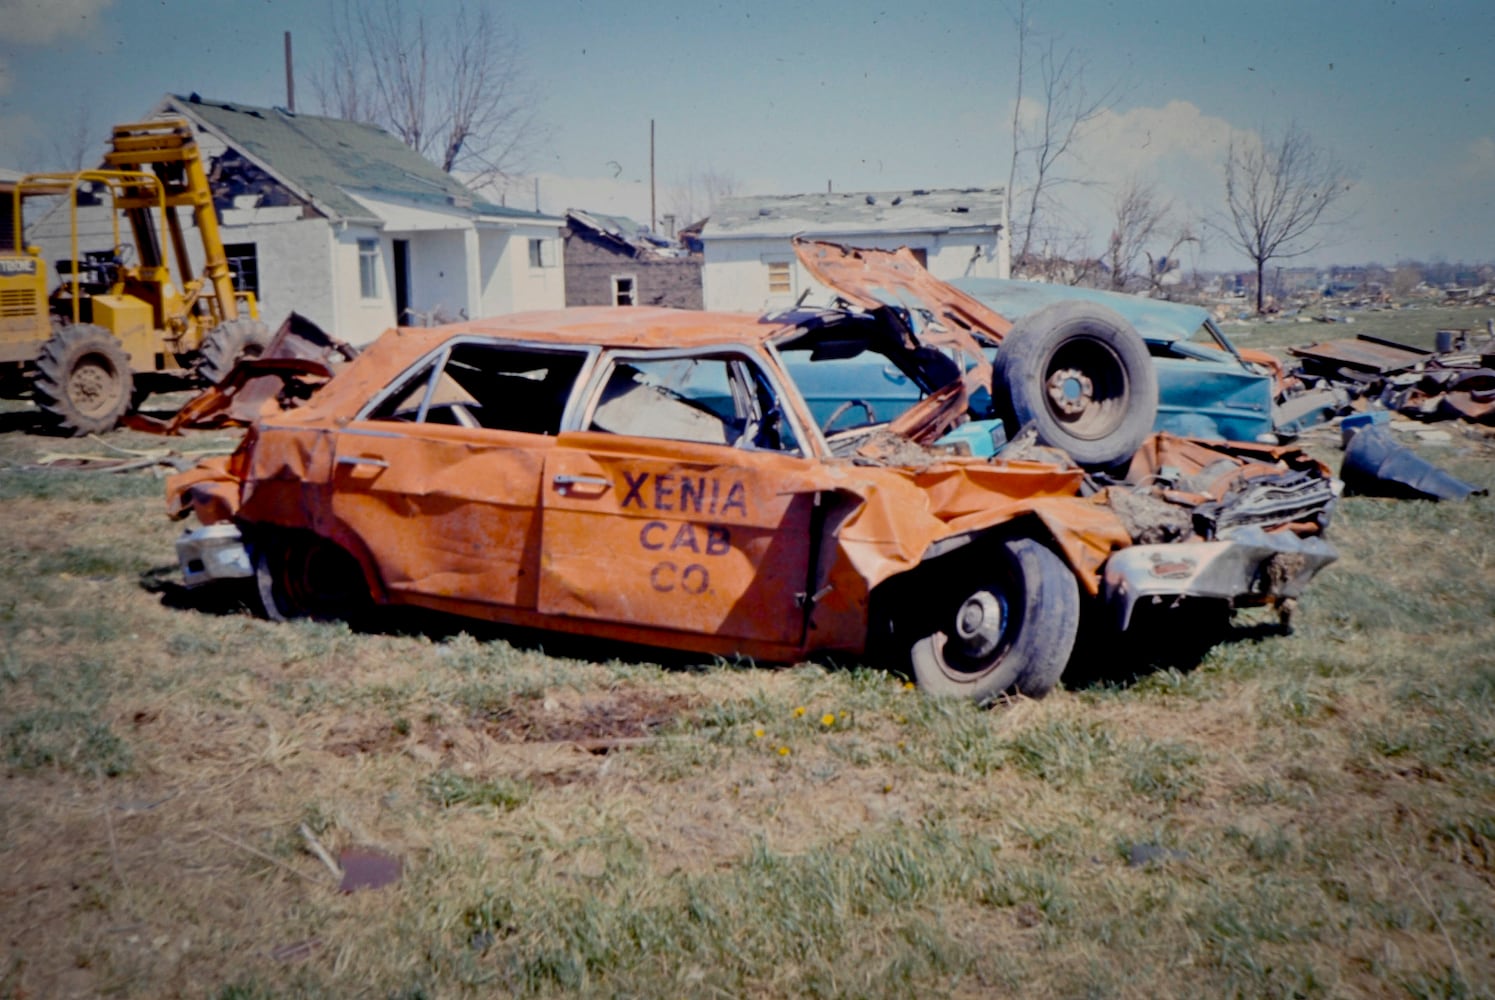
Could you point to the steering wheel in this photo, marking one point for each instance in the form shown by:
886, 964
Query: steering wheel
755, 428
840, 411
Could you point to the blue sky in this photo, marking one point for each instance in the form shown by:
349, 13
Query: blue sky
787, 96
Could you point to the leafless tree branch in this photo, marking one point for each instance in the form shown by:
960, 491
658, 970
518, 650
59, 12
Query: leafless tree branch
1279, 191
453, 89
1040, 147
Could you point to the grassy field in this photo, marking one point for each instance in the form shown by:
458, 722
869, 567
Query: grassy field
1309, 814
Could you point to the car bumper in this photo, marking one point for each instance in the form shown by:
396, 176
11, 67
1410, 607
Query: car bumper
215, 552
1252, 567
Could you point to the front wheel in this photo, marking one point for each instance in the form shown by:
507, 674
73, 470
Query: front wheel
83, 379
301, 575
1010, 627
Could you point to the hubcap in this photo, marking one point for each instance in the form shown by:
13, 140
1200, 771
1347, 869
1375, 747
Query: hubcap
978, 624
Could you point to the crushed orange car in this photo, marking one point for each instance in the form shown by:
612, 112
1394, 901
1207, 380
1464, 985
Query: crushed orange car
654, 476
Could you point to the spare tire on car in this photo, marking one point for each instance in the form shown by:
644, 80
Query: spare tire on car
1081, 375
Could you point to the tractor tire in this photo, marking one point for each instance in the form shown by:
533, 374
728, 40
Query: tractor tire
1082, 376
83, 380
227, 344
1011, 629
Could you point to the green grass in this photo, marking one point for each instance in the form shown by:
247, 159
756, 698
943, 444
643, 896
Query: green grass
1288, 815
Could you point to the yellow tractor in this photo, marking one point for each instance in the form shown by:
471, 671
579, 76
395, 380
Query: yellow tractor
119, 324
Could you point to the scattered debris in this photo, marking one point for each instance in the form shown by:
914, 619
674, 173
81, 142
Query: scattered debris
1375, 464
1456, 381
367, 868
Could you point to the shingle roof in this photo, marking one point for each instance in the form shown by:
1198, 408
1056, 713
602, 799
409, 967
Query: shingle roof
322, 159
840, 213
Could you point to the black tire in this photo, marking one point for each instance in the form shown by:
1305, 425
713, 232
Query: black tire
300, 575
1012, 631
83, 379
227, 344
1082, 376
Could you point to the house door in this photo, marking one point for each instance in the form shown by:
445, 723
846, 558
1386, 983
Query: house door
402, 282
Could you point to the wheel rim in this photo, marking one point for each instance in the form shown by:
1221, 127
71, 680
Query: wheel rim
93, 385
974, 641
1086, 388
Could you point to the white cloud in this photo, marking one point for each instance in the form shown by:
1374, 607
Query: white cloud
1176, 147
1479, 158
37, 22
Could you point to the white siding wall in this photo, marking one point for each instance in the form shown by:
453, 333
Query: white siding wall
360, 320
734, 272
496, 271
536, 287
294, 261
438, 272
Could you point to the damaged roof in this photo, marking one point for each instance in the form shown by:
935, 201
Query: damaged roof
846, 213
622, 231
325, 160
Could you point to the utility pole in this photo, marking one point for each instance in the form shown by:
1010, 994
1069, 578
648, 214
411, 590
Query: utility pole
651, 175
290, 78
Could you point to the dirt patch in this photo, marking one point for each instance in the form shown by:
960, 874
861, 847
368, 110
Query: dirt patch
627, 715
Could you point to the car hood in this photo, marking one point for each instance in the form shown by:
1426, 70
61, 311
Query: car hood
1156, 320
876, 279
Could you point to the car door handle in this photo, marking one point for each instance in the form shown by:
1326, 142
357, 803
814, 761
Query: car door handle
377, 463
566, 483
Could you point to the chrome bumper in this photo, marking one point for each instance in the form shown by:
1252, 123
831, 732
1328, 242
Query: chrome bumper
215, 552
1251, 567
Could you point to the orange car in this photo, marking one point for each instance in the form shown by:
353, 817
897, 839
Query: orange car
654, 476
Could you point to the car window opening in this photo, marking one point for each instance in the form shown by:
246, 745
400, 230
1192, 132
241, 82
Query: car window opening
711, 400
482, 386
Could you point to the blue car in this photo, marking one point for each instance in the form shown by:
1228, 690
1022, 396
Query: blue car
1095, 372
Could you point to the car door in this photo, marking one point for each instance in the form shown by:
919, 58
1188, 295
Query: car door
686, 502
439, 477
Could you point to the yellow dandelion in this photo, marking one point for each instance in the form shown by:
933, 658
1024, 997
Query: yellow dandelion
758, 733
828, 719
783, 751
843, 714
799, 710
908, 685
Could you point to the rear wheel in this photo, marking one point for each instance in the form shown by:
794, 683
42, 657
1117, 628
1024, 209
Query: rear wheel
1082, 376
301, 575
83, 379
227, 344
1011, 628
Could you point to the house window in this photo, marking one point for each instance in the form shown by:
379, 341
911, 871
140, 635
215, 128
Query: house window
623, 290
779, 279
368, 268
541, 253
243, 265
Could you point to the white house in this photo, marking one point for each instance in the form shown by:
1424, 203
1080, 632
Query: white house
345, 224
749, 265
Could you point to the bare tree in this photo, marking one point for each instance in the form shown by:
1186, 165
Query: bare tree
1039, 147
1142, 219
1139, 213
452, 89
695, 197
76, 145
1278, 193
